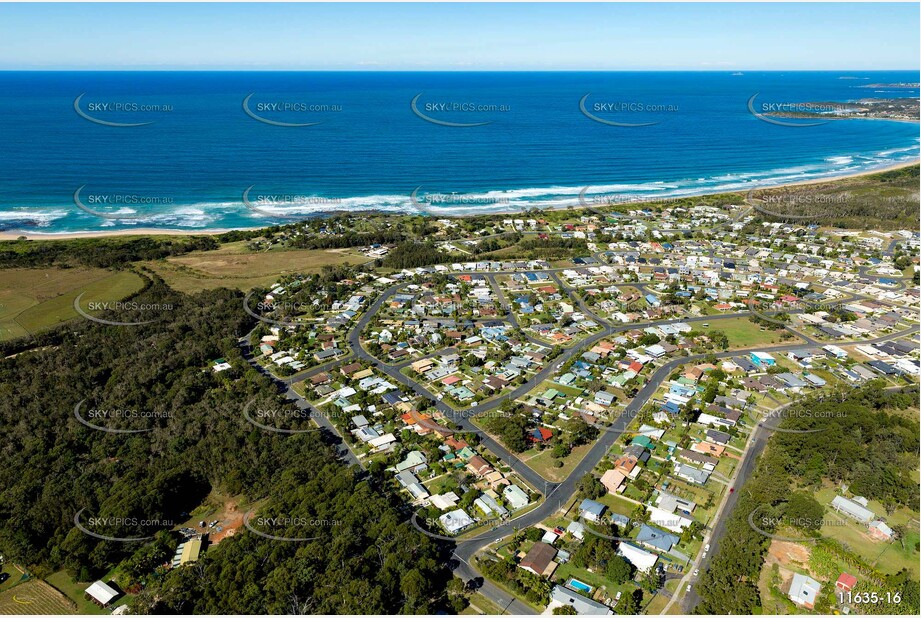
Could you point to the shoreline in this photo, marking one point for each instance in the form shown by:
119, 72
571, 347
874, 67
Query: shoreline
4, 236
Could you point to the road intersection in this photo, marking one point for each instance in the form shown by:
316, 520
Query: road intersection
556, 494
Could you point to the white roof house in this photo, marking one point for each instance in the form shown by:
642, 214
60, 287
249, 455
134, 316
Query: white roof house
515, 496
804, 590
640, 558
455, 521
102, 593
852, 509
669, 521
445, 501
561, 595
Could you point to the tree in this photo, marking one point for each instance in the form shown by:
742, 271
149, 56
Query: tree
565, 610
651, 580
590, 487
619, 570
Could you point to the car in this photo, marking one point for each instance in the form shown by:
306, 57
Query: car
617, 596
688, 589
4, 577
732, 489
704, 555
696, 572
707, 547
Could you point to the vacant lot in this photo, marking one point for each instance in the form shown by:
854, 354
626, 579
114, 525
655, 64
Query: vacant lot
742, 333
543, 462
34, 597
32, 299
234, 266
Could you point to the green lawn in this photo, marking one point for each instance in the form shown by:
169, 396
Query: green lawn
480, 605
887, 557
543, 462
75, 591
742, 333
32, 307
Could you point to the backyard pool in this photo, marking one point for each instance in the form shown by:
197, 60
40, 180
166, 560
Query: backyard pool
580, 586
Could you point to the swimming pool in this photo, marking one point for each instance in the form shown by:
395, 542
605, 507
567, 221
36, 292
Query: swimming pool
580, 586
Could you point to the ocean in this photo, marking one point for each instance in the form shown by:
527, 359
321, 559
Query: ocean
107, 151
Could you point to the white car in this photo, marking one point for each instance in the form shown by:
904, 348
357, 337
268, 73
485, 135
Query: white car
688, 589
696, 572
707, 547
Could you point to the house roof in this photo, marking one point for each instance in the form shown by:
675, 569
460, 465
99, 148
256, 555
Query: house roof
590, 506
102, 592
539, 557
582, 605
846, 580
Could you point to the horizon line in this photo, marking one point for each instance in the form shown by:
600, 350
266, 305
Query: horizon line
445, 70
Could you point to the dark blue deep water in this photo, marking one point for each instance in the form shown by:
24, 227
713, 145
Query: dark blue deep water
188, 167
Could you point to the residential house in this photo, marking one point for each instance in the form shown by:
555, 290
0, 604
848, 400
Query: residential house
539, 559
804, 590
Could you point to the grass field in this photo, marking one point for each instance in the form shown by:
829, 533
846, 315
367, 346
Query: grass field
34, 597
480, 605
33, 299
235, 266
76, 593
886, 557
542, 463
742, 333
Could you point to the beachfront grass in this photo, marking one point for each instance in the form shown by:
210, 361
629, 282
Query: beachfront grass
34, 299
235, 266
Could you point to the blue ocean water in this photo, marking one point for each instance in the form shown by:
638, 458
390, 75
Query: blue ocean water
525, 139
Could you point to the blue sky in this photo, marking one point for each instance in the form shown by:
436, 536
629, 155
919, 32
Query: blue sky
734, 36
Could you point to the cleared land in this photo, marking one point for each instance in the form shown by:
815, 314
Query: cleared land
235, 266
742, 332
33, 299
34, 597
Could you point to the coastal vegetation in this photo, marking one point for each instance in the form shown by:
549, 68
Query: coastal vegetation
864, 444
191, 439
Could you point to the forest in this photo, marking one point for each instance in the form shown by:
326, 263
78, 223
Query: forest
191, 439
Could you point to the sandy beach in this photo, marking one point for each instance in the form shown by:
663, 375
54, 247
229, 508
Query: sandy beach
168, 232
